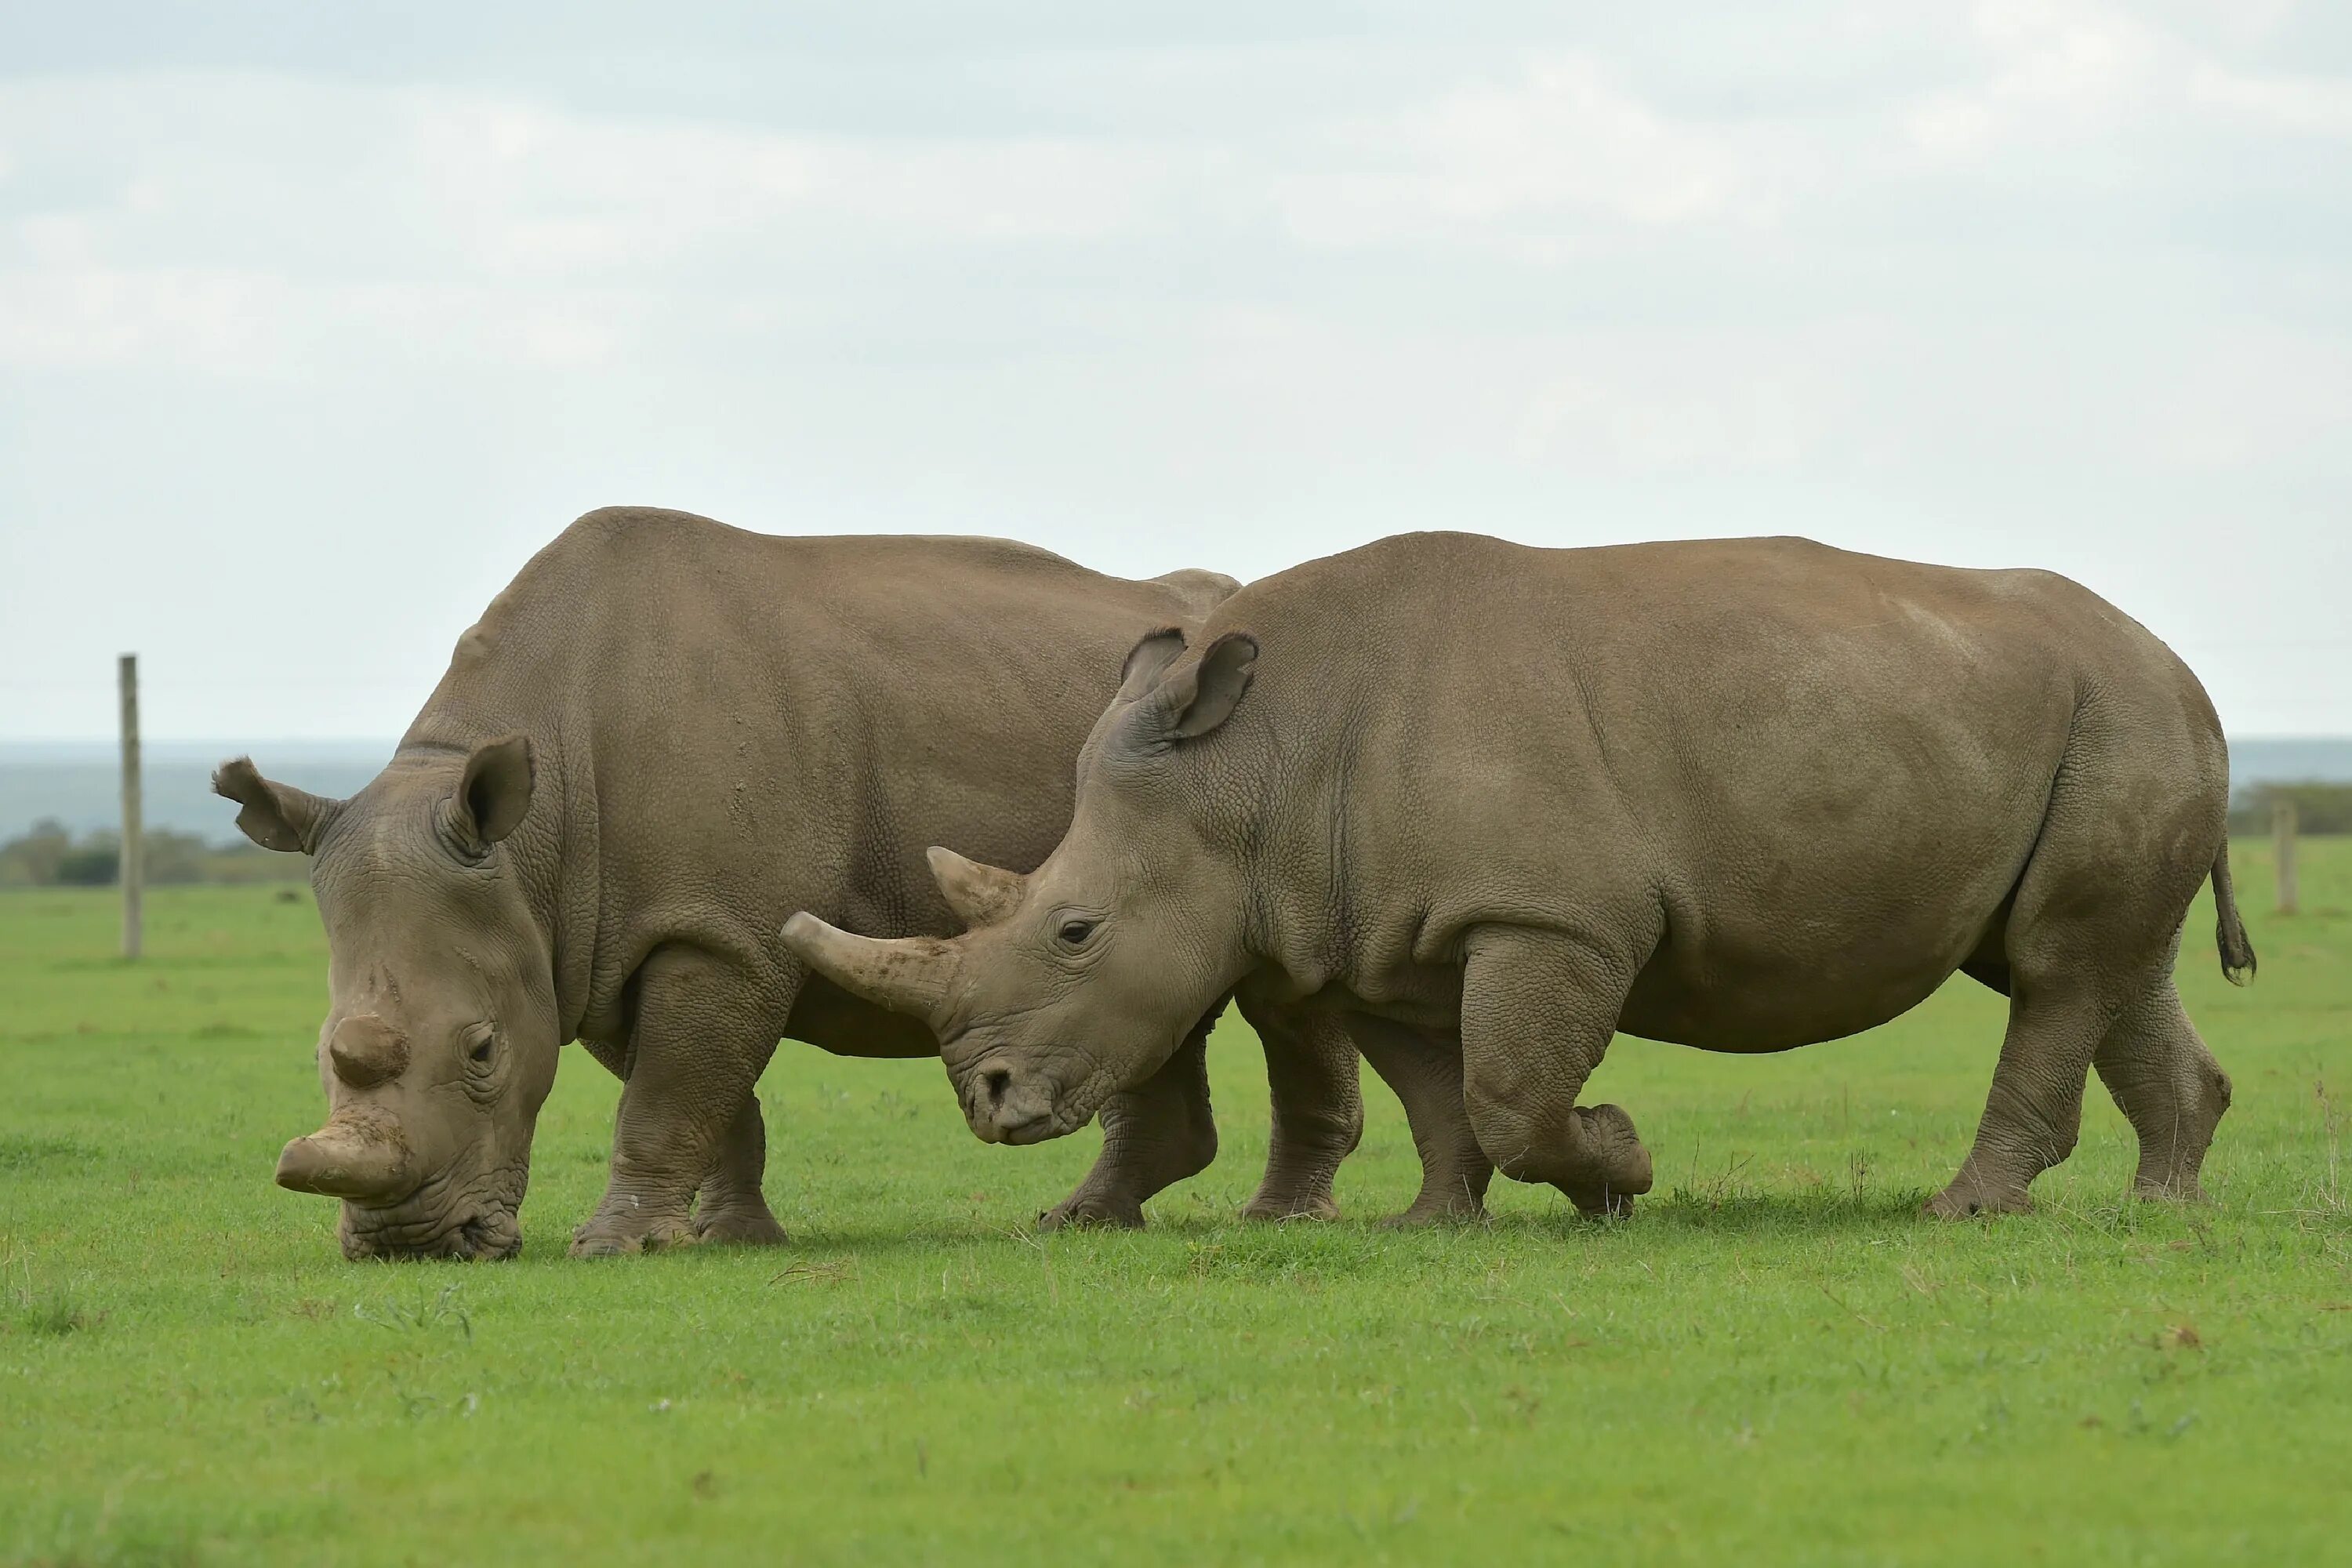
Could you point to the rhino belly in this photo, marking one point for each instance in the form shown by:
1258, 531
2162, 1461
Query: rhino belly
831, 1019
1777, 1010
1829, 944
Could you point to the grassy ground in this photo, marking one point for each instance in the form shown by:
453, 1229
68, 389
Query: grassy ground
1774, 1360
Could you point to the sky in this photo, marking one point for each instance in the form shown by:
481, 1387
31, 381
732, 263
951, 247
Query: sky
315, 321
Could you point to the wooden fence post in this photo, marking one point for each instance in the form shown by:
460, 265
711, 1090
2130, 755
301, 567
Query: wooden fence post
134, 858
2283, 851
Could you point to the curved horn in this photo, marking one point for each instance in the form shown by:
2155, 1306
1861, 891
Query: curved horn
980, 895
907, 974
366, 1051
352, 1156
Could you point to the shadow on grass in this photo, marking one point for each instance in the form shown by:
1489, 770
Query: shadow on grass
1747, 1213
1711, 1210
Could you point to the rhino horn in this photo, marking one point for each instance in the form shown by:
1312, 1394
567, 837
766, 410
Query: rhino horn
907, 974
366, 1051
352, 1156
980, 895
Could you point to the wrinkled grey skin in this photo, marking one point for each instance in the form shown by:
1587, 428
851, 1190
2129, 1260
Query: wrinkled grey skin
1503, 801
662, 738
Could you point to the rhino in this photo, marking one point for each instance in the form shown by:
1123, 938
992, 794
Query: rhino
1503, 803
665, 735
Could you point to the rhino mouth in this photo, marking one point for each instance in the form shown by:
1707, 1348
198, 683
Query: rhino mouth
478, 1227
487, 1237
1005, 1101
1036, 1130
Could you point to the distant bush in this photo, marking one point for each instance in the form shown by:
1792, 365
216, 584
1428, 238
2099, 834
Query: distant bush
50, 856
2318, 807
33, 860
92, 865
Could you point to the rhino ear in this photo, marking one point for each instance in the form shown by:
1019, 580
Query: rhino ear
1193, 698
274, 815
494, 793
1202, 698
1147, 660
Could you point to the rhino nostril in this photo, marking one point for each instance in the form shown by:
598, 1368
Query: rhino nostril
998, 1080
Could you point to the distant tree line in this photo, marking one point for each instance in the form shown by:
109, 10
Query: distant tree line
2319, 808
51, 857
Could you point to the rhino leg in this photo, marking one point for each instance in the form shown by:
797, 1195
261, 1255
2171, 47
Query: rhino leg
1538, 1009
2088, 948
730, 1207
1319, 1110
695, 1053
1426, 1075
2168, 1087
2035, 1112
1156, 1133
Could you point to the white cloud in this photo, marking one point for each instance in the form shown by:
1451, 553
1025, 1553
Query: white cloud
2305, 106
213, 217
2067, 69
1561, 149
2079, 271
101, 316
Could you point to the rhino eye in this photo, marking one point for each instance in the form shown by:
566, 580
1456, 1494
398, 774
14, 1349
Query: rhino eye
1073, 934
482, 1047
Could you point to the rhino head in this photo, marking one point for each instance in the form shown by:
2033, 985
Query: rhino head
441, 1034
1081, 978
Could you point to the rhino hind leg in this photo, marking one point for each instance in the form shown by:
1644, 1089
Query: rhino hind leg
731, 1208
2088, 947
1538, 1009
2169, 1088
2035, 1112
1318, 1111
1426, 1075
1154, 1134
2156, 1067
696, 1049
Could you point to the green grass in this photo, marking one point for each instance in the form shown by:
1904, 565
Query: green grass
1774, 1360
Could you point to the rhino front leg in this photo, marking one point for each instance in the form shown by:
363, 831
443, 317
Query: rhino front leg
1426, 1075
731, 1208
694, 1055
1538, 1009
1319, 1110
1156, 1133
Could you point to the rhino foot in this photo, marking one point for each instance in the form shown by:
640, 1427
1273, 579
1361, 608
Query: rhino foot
1968, 1195
1618, 1168
1285, 1207
1457, 1208
2169, 1190
602, 1238
739, 1227
1090, 1210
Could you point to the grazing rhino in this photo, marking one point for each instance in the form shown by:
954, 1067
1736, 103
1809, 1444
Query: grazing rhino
1504, 802
664, 736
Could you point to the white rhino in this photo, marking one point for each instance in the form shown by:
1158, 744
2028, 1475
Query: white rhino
664, 736
1490, 805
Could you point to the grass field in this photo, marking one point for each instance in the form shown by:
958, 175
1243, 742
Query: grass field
1774, 1360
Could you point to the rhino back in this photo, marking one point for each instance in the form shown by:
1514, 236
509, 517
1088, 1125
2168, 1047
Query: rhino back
732, 726
1821, 763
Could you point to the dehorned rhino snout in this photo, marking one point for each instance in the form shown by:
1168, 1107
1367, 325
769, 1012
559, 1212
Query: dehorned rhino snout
352, 1156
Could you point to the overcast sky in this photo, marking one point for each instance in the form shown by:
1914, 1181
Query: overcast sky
315, 320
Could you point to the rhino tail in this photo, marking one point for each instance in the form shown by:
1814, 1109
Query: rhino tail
2229, 929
